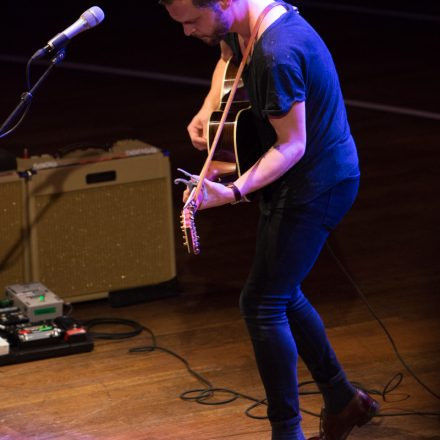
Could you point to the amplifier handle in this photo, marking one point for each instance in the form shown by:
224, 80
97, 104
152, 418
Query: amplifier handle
103, 176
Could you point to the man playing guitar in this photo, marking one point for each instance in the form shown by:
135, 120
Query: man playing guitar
307, 177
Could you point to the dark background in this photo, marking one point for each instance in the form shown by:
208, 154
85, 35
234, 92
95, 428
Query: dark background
379, 58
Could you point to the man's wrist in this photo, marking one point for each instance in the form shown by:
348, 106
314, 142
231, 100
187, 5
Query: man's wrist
237, 194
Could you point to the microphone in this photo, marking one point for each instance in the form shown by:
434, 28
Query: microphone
89, 19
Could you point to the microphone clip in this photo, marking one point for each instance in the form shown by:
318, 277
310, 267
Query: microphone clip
56, 45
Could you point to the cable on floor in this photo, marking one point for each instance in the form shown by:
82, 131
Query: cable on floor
203, 395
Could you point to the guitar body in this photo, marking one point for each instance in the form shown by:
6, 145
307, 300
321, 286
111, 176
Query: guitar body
238, 147
237, 150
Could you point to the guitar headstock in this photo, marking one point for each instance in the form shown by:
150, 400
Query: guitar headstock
188, 226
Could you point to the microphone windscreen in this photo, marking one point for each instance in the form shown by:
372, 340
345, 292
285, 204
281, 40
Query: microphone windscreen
93, 16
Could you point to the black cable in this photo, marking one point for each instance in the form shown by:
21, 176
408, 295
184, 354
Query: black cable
25, 111
68, 309
137, 328
201, 395
376, 317
26, 97
6, 133
28, 73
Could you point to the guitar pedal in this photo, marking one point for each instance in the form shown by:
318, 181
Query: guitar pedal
36, 301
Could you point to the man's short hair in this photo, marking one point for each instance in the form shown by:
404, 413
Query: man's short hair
196, 3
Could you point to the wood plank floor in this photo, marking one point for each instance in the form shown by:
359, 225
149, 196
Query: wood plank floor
389, 242
113, 394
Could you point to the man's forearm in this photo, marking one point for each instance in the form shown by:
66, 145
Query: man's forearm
271, 166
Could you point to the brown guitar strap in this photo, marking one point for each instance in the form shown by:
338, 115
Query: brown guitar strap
231, 97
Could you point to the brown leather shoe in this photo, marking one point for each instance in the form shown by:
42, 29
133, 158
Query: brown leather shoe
360, 410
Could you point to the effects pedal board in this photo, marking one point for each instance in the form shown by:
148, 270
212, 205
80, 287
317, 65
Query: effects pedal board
32, 326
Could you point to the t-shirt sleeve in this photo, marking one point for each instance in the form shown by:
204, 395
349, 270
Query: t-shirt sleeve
282, 85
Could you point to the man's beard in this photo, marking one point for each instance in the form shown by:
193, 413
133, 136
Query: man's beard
221, 29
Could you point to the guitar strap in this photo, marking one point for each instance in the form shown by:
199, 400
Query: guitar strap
194, 194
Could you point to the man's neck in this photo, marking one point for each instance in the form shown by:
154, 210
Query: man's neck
246, 13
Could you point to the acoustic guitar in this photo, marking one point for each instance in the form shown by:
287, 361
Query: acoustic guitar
238, 146
237, 149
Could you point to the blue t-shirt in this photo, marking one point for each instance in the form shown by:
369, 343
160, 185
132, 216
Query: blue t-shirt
290, 63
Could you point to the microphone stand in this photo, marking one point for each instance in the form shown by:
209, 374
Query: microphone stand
26, 97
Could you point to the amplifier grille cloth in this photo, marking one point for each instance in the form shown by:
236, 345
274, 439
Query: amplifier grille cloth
11, 234
105, 238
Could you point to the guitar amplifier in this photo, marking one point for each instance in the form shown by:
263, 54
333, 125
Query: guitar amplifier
101, 222
14, 257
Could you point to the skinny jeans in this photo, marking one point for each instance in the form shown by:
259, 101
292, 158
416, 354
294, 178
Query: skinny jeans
281, 322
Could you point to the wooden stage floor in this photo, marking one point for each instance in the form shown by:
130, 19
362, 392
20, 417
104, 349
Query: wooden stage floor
389, 242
